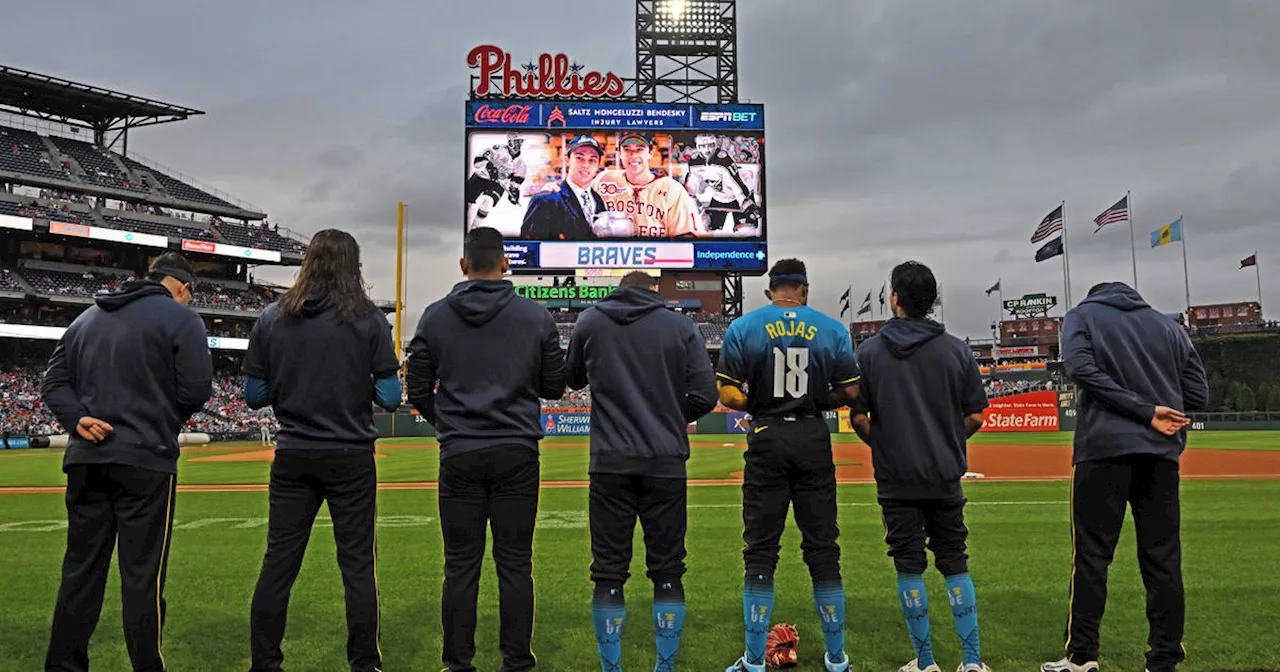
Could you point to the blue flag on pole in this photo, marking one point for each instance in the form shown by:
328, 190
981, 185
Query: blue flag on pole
1169, 233
1050, 250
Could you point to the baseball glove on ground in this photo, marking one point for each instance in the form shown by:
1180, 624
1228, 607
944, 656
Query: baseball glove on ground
780, 648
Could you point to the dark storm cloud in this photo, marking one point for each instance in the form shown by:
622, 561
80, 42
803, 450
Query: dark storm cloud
929, 130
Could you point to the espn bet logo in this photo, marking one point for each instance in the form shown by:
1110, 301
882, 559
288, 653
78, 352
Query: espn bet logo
738, 117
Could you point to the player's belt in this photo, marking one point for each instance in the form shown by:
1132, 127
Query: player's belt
784, 417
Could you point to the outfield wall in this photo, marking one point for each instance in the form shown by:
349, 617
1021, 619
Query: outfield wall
1043, 411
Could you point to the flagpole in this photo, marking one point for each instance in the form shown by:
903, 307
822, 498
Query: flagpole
1258, 274
1066, 258
1133, 245
1186, 277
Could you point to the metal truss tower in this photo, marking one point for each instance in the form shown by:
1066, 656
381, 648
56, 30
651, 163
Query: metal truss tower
687, 52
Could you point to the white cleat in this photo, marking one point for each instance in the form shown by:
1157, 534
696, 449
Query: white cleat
832, 666
743, 666
973, 667
914, 666
1065, 665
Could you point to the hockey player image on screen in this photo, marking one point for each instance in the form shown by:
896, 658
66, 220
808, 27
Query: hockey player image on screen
641, 204
715, 179
496, 172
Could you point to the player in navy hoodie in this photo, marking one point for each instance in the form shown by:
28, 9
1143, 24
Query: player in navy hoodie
321, 357
493, 354
1138, 374
123, 380
650, 376
922, 397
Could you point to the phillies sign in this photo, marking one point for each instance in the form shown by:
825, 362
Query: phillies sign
553, 76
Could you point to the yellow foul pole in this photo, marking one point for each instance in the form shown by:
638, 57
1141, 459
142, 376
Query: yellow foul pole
399, 274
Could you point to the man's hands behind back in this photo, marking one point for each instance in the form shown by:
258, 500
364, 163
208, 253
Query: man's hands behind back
1169, 421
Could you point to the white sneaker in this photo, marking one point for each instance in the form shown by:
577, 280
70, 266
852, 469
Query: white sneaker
973, 667
1065, 665
743, 666
842, 666
914, 666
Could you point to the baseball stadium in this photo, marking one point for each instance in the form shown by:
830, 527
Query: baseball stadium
80, 214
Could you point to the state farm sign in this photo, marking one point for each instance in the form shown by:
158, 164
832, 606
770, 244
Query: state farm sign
551, 76
1030, 412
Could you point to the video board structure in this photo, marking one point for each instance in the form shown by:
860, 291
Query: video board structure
575, 185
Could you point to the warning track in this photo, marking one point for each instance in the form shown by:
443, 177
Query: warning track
1011, 463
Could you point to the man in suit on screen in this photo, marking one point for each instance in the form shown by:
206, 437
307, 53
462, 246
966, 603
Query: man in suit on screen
567, 214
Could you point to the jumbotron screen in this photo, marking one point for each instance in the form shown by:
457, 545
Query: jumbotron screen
576, 185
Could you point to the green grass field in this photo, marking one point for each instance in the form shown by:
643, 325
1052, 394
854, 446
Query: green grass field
1019, 549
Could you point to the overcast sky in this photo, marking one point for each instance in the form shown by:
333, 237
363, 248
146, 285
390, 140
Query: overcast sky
920, 129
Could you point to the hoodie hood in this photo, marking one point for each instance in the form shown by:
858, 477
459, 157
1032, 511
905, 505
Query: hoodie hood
315, 305
628, 304
479, 301
130, 291
905, 336
1117, 295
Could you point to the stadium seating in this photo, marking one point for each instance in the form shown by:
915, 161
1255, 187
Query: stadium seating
88, 283
712, 332
174, 230
22, 411
258, 236
9, 281
66, 283
213, 296
175, 187
24, 152
98, 167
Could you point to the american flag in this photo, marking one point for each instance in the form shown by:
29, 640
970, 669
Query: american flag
1116, 213
1051, 224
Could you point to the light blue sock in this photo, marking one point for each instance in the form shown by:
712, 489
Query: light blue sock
757, 607
668, 623
915, 607
828, 597
964, 608
609, 613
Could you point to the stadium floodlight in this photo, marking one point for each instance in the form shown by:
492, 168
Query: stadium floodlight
688, 17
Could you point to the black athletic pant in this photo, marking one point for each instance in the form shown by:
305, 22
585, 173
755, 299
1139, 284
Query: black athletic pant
938, 524
789, 463
301, 480
105, 502
1099, 492
615, 502
495, 487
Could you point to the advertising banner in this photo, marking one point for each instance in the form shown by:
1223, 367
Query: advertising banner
557, 115
738, 422
229, 250
562, 424
1030, 412
17, 442
19, 223
1020, 351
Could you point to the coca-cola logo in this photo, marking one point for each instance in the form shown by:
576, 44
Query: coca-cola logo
553, 76
499, 114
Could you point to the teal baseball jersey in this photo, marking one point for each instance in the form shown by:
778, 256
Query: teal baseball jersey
787, 360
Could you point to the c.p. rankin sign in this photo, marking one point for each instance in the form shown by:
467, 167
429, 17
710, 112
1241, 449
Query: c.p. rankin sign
552, 76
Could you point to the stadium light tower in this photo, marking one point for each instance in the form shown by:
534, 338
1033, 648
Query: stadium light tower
687, 51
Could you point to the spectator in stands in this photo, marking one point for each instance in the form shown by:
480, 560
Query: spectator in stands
122, 380
1137, 372
322, 356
